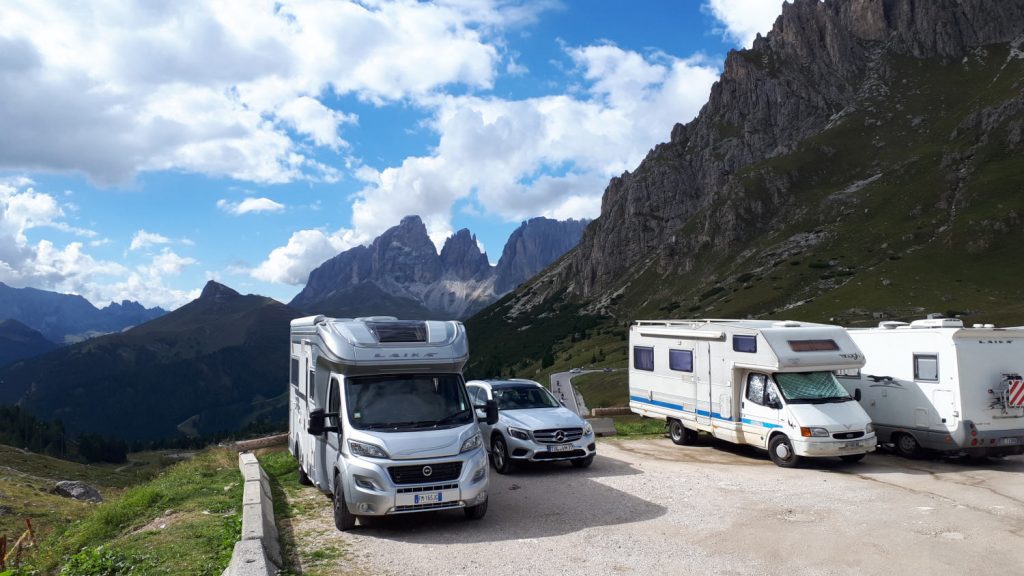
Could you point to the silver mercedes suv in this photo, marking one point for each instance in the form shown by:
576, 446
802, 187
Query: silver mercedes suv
532, 425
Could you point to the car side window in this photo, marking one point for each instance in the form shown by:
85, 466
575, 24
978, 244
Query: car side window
477, 395
756, 384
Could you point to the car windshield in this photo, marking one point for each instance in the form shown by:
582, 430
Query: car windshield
810, 387
523, 398
407, 402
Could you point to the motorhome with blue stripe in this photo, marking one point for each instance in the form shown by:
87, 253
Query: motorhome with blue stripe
759, 382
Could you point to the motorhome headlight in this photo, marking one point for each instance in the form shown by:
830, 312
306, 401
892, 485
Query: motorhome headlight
366, 450
587, 429
472, 443
815, 432
869, 428
518, 433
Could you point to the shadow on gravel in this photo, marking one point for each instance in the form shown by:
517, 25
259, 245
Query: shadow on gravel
537, 501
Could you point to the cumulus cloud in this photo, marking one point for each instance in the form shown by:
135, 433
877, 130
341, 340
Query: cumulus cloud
143, 239
249, 205
243, 97
743, 20
306, 249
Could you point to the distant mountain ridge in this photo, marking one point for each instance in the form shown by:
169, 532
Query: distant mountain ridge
65, 318
401, 273
18, 341
213, 365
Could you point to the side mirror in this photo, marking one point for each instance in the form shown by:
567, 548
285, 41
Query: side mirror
317, 422
775, 405
856, 394
492, 412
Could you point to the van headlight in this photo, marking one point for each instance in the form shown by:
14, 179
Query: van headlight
518, 433
869, 428
366, 450
471, 443
815, 432
587, 429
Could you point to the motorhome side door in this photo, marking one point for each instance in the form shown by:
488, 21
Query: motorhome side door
702, 382
335, 419
759, 408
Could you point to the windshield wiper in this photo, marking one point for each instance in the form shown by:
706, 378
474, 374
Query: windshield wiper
450, 418
838, 399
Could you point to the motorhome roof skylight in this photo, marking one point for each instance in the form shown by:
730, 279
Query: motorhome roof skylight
813, 345
398, 331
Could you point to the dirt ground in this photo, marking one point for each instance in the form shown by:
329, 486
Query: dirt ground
648, 506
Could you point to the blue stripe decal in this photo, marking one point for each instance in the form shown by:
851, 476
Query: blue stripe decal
657, 403
699, 412
763, 424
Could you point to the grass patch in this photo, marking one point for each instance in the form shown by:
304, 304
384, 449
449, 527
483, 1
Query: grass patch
184, 521
636, 425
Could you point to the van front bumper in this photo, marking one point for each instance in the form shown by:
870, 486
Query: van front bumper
370, 490
826, 447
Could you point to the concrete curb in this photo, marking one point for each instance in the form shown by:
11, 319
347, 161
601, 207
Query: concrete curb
258, 552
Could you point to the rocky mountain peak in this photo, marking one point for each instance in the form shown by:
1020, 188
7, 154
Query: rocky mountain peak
531, 247
216, 292
461, 256
405, 254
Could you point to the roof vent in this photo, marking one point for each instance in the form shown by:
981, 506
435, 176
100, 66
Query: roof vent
938, 323
787, 324
891, 324
936, 315
398, 330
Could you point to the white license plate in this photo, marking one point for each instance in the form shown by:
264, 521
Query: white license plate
427, 498
1009, 441
561, 448
847, 445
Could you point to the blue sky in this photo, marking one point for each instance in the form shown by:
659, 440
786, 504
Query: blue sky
150, 147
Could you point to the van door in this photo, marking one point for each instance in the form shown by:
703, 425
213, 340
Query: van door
333, 439
702, 383
758, 408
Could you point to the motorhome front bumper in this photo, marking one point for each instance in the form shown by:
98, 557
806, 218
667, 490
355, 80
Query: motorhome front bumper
825, 447
371, 488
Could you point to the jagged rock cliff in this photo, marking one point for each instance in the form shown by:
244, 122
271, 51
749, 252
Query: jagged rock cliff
402, 274
861, 160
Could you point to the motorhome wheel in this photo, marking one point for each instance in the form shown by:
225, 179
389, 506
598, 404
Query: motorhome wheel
343, 519
680, 434
781, 452
906, 445
304, 478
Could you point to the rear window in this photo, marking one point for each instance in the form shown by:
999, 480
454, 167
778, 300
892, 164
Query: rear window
643, 358
813, 345
744, 344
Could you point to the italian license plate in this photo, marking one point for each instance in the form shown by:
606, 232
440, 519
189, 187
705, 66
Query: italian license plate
847, 445
561, 448
1009, 441
427, 498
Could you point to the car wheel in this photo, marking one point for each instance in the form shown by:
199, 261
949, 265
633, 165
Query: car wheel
304, 478
851, 458
499, 456
583, 462
781, 452
906, 445
476, 512
680, 434
343, 519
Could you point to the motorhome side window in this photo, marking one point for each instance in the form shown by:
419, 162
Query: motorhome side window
744, 343
926, 367
643, 358
333, 398
310, 387
756, 383
680, 360
294, 377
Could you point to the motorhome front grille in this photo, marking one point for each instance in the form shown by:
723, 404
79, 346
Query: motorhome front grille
417, 489
553, 437
420, 473
559, 455
848, 435
431, 506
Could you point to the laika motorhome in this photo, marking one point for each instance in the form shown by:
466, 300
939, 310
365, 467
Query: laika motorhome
758, 382
380, 418
935, 384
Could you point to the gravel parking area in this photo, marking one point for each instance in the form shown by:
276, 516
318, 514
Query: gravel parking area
648, 506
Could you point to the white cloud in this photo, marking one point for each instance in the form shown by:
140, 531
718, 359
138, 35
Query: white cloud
249, 205
306, 249
143, 239
744, 19
127, 94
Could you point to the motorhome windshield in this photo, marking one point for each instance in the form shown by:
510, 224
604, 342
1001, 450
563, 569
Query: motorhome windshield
523, 398
811, 387
407, 402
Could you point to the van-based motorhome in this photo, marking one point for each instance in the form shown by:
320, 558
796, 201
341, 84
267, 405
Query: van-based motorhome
758, 382
938, 385
380, 418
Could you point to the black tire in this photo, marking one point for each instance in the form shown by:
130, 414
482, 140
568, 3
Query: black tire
583, 462
476, 512
343, 519
304, 478
906, 445
680, 434
500, 459
780, 450
851, 458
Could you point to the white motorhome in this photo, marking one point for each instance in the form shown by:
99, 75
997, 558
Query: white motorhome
759, 382
938, 385
380, 418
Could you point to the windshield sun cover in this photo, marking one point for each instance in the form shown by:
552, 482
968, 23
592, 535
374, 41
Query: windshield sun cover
403, 402
810, 387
